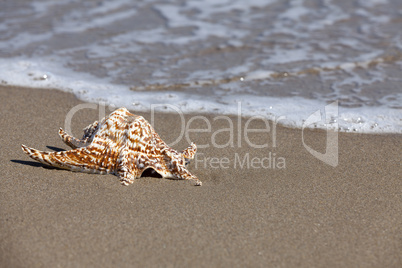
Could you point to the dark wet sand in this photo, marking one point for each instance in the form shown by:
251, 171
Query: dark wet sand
307, 214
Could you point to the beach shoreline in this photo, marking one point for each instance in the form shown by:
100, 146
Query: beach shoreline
265, 198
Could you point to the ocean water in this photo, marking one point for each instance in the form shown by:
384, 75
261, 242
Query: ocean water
270, 58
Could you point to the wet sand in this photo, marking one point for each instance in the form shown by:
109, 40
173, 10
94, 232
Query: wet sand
300, 213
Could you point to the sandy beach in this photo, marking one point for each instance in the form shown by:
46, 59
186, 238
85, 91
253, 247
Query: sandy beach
296, 212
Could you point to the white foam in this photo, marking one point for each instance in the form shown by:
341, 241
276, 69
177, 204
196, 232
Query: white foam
238, 51
24, 39
372, 3
290, 111
210, 8
69, 25
295, 11
202, 28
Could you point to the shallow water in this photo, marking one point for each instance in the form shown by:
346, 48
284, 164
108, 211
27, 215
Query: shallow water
276, 59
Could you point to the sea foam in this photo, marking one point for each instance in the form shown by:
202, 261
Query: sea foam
275, 59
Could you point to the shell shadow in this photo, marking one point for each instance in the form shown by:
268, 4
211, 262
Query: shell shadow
32, 164
147, 173
56, 149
